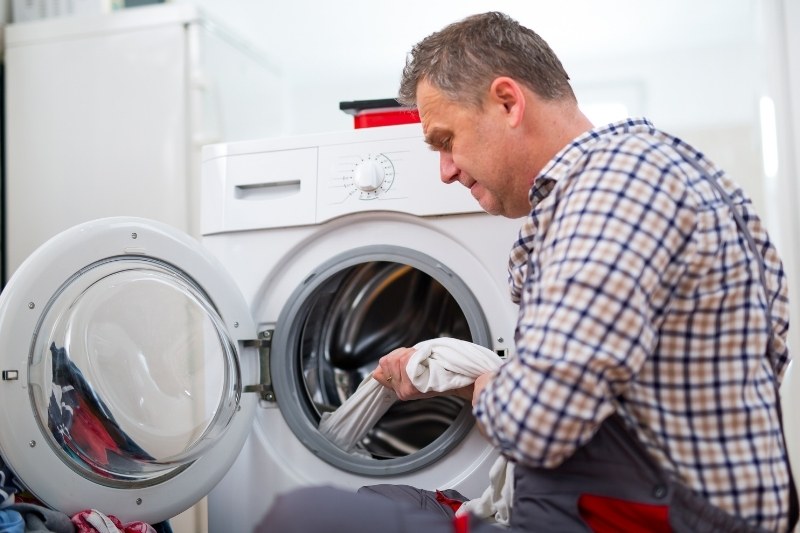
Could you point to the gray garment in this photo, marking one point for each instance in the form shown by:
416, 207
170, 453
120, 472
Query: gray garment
613, 464
418, 498
39, 519
383, 508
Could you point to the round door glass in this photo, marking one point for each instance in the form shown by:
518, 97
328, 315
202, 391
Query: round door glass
132, 372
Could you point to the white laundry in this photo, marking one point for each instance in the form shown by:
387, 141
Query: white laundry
346, 426
6, 498
437, 365
445, 364
495, 502
100, 522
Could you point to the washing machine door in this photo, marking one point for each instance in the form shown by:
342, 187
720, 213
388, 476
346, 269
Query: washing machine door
122, 344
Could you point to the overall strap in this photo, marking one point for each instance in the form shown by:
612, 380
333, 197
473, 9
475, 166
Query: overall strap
794, 511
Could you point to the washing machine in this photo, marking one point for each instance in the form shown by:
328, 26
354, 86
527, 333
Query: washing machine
345, 246
144, 368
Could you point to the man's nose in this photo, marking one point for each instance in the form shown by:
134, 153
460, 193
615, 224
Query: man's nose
447, 168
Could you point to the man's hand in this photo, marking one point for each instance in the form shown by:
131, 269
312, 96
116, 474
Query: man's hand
391, 373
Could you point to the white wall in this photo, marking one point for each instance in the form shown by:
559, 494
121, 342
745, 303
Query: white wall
779, 73
330, 52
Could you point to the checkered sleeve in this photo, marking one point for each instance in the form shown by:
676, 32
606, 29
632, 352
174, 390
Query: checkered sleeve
610, 244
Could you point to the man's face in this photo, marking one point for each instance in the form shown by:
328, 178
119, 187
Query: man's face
474, 151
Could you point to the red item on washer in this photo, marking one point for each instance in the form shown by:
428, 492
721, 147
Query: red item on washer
374, 113
386, 118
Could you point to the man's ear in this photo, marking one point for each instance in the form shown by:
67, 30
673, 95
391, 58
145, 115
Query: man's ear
508, 94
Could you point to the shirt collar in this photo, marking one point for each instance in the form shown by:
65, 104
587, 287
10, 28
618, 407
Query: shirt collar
564, 160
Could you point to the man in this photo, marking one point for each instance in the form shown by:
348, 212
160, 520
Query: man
643, 392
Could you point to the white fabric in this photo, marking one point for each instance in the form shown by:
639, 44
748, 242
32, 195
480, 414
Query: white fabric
346, 426
100, 522
6, 499
495, 502
445, 364
437, 365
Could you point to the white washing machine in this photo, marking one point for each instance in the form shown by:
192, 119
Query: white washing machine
346, 246
144, 367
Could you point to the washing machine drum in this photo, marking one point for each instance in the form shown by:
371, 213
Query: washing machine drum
121, 385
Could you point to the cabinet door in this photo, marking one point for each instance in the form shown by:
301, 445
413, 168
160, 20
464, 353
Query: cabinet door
96, 123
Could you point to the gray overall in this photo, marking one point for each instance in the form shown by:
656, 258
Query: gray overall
613, 464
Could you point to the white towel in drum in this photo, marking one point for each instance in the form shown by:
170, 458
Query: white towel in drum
346, 426
437, 365
445, 364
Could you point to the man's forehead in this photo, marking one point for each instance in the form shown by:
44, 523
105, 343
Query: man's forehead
427, 96
434, 130
428, 101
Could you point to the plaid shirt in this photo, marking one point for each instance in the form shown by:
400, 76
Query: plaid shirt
639, 295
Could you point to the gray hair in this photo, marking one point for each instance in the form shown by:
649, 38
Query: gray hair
465, 57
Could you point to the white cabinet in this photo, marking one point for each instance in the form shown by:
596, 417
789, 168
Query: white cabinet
106, 115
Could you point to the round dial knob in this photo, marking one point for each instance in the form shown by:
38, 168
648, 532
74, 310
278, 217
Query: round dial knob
368, 175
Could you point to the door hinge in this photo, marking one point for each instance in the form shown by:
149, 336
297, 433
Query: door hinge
264, 387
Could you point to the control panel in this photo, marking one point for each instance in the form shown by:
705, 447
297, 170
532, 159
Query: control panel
371, 177
285, 182
400, 174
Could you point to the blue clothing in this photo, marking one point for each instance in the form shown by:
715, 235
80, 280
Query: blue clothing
11, 522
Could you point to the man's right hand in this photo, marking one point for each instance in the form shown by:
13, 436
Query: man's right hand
391, 373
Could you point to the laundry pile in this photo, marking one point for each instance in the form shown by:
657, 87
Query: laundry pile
20, 512
440, 365
73, 409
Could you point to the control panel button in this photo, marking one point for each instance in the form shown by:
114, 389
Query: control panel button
368, 175
372, 176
